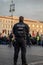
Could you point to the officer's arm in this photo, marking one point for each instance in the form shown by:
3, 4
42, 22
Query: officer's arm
27, 29
27, 33
13, 30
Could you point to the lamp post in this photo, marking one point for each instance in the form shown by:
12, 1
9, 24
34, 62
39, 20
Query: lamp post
12, 9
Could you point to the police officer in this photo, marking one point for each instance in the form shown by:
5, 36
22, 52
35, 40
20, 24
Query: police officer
20, 31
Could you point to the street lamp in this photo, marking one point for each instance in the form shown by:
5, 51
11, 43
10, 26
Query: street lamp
12, 9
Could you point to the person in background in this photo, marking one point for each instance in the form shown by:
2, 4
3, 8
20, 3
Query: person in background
38, 38
41, 39
10, 39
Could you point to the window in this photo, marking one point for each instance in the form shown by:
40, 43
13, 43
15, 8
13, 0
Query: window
6, 26
33, 25
29, 25
40, 30
3, 25
0, 20
37, 26
8, 21
41, 26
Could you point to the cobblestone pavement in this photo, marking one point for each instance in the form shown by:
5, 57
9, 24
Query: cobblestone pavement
34, 55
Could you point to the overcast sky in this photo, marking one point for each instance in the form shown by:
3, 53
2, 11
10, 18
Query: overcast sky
32, 9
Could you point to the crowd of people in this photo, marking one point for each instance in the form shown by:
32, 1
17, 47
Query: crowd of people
37, 39
34, 39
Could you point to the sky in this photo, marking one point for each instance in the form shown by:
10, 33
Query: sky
31, 9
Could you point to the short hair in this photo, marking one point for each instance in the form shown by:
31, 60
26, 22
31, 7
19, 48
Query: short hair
21, 18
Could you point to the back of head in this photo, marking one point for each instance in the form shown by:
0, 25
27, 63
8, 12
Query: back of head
21, 19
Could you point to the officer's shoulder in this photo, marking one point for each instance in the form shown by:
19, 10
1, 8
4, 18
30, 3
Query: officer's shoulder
15, 24
26, 25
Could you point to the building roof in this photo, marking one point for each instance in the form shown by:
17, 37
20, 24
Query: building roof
16, 18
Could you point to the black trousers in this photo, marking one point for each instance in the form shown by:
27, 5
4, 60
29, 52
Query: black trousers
20, 44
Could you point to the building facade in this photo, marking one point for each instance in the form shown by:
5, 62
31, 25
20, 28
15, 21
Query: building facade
7, 22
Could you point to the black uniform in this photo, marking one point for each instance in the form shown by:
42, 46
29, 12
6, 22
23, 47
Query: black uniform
20, 31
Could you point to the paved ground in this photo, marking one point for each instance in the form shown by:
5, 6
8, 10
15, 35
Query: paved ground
34, 55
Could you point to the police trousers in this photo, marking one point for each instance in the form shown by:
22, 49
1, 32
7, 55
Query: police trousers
20, 44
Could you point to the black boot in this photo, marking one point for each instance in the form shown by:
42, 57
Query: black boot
15, 63
24, 64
